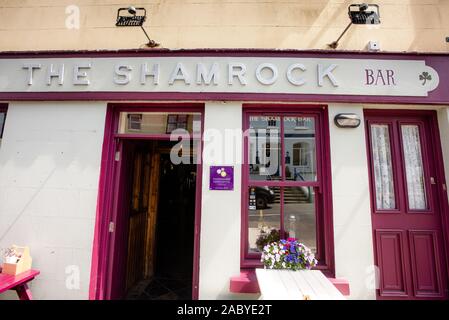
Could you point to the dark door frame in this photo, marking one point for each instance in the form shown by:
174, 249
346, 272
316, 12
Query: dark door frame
105, 241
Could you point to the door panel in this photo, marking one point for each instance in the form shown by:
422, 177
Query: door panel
425, 263
390, 249
406, 210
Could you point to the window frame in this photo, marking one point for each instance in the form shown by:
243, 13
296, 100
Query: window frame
3, 109
395, 170
321, 186
399, 175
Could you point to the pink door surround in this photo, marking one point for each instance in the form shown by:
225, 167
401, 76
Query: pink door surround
409, 213
106, 256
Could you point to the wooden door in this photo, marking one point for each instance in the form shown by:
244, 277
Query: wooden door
407, 206
138, 215
143, 213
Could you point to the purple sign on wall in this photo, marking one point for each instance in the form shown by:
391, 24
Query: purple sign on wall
221, 178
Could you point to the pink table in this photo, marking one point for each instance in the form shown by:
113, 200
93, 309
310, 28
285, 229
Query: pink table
19, 283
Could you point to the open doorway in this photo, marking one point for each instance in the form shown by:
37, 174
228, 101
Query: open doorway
158, 222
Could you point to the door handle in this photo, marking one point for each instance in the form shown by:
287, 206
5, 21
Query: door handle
432, 180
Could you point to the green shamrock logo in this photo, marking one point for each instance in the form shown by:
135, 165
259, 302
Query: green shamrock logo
424, 77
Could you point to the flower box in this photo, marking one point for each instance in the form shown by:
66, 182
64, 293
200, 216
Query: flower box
18, 263
288, 254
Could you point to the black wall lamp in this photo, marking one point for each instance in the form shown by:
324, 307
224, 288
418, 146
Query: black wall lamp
134, 17
359, 14
347, 120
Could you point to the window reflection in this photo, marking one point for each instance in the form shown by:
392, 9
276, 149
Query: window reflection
299, 141
299, 215
159, 123
2, 123
264, 215
284, 209
264, 148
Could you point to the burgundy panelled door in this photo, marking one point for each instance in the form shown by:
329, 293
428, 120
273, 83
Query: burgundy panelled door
407, 205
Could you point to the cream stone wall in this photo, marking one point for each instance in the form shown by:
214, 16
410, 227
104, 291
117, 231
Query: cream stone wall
406, 25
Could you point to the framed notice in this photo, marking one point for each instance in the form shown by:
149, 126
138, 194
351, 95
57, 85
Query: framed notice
221, 178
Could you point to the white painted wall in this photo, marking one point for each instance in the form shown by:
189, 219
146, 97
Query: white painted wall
220, 211
49, 169
443, 124
354, 258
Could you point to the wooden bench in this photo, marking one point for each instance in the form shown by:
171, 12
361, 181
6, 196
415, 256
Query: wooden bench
296, 285
19, 283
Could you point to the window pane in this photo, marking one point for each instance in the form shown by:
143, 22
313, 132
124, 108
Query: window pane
300, 215
411, 145
382, 166
264, 215
159, 123
2, 122
264, 148
299, 141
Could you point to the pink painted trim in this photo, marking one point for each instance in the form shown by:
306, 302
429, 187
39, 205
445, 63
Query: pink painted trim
246, 282
136, 136
216, 52
198, 195
342, 285
99, 287
444, 204
201, 96
100, 245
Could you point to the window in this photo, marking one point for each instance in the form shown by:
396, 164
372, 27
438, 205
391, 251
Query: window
134, 122
383, 167
414, 167
158, 122
3, 110
272, 121
397, 166
283, 196
176, 121
301, 154
302, 123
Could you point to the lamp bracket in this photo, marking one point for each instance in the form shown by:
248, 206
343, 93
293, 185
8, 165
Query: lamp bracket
126, 19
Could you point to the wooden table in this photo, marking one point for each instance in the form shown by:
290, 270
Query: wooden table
19, 283
296, 285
